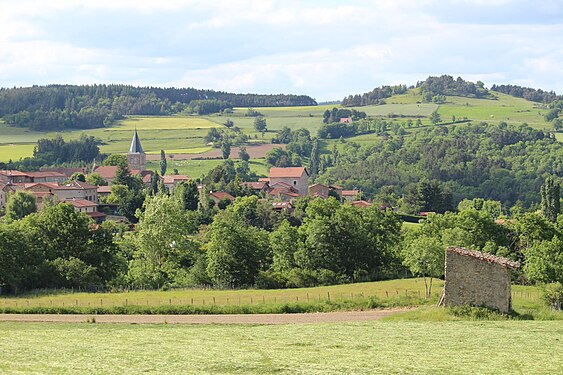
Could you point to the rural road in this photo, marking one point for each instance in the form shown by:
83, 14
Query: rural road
332, 317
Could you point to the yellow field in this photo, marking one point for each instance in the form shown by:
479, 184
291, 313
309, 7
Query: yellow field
163, 123
16, 151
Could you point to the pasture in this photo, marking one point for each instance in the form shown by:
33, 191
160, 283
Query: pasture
382, 347
185, 134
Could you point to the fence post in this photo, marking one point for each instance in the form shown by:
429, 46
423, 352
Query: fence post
307, 297
328, 295
214, 300
387, 294
101, 302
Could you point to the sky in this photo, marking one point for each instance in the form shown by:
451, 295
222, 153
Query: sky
327, 49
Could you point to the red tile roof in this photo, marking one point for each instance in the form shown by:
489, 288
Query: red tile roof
170, 179
222, 195
44, 174
350, 193
345, 120
281, 205
256, 185
361, 204
81, 203
106, 172
484, 257
104, 189
289, 172
264, 179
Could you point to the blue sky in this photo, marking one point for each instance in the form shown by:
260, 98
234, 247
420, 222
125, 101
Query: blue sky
326, 49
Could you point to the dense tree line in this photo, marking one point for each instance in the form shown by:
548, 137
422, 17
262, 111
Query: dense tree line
89, 106
375, 96
446, 85
336, 114
208, 106
500, 162
534, 95
185, 239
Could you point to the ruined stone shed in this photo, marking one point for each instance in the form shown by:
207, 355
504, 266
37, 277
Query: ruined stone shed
478, 279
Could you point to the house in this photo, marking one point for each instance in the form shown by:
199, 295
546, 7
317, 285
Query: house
103, 191
29, 177
66, 171
82, 205
319, 191
361, 204
171, 181
218, 196
296, 177
478, 279
282, 206
48, 176
15, 177
350, 195
259, 187
346, 120
72, 190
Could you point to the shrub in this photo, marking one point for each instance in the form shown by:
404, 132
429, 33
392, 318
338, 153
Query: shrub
552, 294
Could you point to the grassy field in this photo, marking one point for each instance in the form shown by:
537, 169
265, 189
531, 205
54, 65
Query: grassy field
382, 290
184, 134
383, 347
526, 300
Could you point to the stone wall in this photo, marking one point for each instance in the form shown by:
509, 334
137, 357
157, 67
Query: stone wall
475, 281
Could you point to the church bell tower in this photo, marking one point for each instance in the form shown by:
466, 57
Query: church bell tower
136, 158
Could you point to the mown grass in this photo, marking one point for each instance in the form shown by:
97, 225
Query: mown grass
384, 347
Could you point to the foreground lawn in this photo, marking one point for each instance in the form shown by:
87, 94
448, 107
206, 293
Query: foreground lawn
509, 347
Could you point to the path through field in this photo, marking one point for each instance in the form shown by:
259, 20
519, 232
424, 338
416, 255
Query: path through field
332, 317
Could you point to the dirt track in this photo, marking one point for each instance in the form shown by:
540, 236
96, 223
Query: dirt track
332, 317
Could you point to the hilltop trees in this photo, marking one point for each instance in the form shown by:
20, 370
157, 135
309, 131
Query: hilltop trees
163, 163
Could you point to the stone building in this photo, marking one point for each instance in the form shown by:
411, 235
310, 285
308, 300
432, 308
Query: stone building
478, 279
295, 177
136, 158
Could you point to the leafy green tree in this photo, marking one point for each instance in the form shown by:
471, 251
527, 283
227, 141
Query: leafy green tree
243, 154
550, 199
260, 124
163, 163
20, 260
188, 195
435, 117
314, 160
284, 242
354, 243
544, 261
96, 180
226, 148
236, 252
115, 160
163, 238
20, 204
425, 256
77, 176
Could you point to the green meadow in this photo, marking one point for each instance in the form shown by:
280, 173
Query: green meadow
185, 134
381, 347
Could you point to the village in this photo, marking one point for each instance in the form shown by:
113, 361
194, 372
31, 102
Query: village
51, 185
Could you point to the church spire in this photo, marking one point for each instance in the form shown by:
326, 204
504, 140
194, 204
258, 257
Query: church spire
136, 147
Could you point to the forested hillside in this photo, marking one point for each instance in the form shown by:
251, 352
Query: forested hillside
496, 161
57, 107
534, 95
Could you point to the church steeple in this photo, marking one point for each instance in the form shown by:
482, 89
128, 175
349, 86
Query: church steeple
136, 158
136, 144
